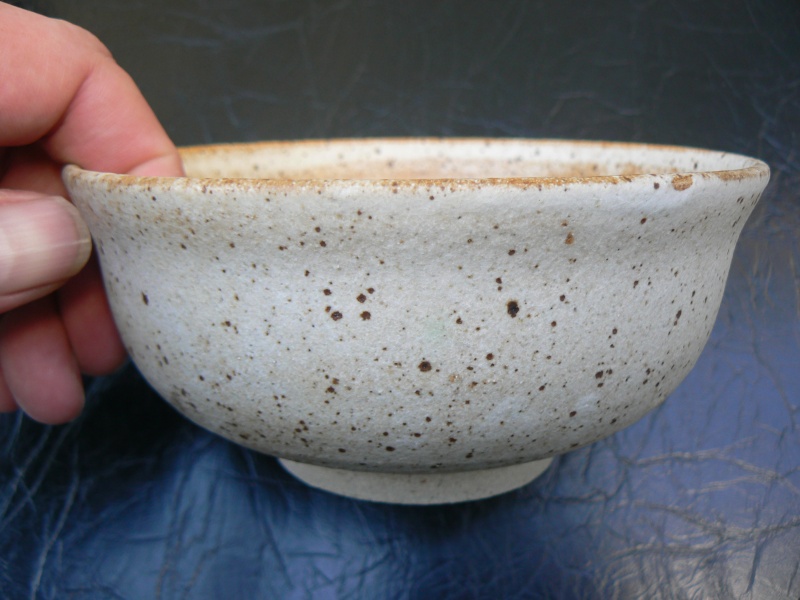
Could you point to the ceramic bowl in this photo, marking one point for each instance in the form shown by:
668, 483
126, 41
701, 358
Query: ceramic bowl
419, 320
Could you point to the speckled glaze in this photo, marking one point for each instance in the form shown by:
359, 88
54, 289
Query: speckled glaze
419, 320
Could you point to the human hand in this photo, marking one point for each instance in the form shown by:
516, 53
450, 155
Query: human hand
63, 100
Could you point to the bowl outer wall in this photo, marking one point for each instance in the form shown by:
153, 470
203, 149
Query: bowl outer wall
409, 326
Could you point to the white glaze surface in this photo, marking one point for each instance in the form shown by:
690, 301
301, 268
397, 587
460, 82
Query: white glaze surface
409, 325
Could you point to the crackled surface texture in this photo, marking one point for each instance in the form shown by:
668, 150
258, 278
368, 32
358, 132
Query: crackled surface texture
699, 499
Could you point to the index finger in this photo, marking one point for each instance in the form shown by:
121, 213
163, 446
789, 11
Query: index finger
61, 86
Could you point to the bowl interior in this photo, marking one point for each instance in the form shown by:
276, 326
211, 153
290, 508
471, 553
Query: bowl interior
430, 158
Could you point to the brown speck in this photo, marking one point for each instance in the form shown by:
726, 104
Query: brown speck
656, 185
336, 315
366, 316
361, 298
145, 299
459, 321
342, 450
682, 182
570, 239
232, 245
598, 375
331, 390
390, 448
635, 283
322, 243
562, 297
553, 323
512, 252
512, 308
327, 292
317, 229
573, 413
490, 356
643, 221
425, 366
370, 290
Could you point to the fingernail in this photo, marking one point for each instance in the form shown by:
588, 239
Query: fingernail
42, 241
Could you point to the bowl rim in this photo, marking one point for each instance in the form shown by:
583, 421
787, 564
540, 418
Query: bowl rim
753, 169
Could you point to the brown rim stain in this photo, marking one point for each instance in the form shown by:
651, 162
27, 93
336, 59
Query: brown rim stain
682, 182
751, 168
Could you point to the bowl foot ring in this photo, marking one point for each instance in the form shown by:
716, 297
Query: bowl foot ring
417, 488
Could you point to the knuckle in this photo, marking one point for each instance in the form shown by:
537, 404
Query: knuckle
82, 37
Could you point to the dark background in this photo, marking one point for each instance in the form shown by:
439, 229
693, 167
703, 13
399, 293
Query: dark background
701, 499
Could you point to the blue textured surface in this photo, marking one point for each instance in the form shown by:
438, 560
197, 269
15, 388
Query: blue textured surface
701, 499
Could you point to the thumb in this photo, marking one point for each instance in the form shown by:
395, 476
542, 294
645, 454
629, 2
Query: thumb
43, 242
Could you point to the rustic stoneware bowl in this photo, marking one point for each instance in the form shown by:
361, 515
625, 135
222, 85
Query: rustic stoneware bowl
419, 320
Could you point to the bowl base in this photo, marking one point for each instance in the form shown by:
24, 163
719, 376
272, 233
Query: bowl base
417, 488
